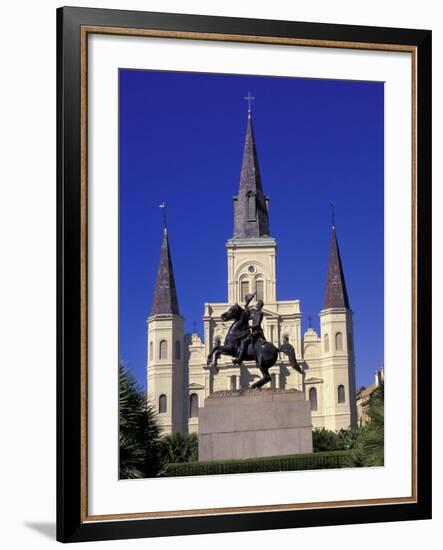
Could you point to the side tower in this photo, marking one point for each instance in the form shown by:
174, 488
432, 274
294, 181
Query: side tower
166, 364
336, 404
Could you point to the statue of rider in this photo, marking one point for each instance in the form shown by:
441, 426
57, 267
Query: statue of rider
255, 333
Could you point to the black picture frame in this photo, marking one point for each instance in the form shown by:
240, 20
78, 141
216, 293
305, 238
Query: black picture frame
72, 526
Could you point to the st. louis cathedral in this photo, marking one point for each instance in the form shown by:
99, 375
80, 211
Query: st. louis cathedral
179, 379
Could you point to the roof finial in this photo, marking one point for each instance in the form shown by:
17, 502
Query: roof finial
163, 206
332, 214
249, 98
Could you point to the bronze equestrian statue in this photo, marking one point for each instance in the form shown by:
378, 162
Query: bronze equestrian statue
246, 343
255, 333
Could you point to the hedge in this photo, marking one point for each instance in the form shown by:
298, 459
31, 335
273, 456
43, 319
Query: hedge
311, 461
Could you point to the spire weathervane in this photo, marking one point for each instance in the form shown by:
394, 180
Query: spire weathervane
310, 321
163, 206
249, 98
332, 214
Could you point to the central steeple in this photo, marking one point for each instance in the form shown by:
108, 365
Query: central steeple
250, 205
251, 251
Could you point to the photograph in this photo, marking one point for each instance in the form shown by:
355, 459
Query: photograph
251, 273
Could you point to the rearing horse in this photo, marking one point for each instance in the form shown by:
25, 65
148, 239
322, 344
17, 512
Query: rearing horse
265, 352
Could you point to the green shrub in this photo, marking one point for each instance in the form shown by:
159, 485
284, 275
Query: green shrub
179, 447
311, 461
327, 440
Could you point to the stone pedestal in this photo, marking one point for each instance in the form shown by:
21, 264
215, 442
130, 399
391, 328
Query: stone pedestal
254, 423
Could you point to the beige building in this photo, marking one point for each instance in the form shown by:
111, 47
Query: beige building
364, 396
179, 379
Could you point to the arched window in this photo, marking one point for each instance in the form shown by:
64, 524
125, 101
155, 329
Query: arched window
233, 382
326, 342
177, 349
313, 399
341, 394
162, 403
151, 351
251, 206
163, 349
339, 341
259, 290
193, 405
244, 289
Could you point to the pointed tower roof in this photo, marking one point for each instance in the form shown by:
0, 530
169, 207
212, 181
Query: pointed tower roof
251, 213
165, 295
336, 295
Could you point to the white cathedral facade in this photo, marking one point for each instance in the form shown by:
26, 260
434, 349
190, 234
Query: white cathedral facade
179, 379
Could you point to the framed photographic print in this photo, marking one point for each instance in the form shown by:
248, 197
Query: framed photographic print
244, 274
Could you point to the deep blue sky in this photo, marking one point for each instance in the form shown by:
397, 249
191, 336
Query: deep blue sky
181, 141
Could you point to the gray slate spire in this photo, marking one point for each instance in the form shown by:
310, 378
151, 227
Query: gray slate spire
165, 295
336, 295
250, 210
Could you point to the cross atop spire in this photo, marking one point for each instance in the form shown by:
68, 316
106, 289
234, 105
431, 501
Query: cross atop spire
332, 214
336, 295
163, 207
249, 98
165, 294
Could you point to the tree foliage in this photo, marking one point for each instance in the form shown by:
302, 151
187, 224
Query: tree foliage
369, 446
327, 440
179, 447
140, 433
